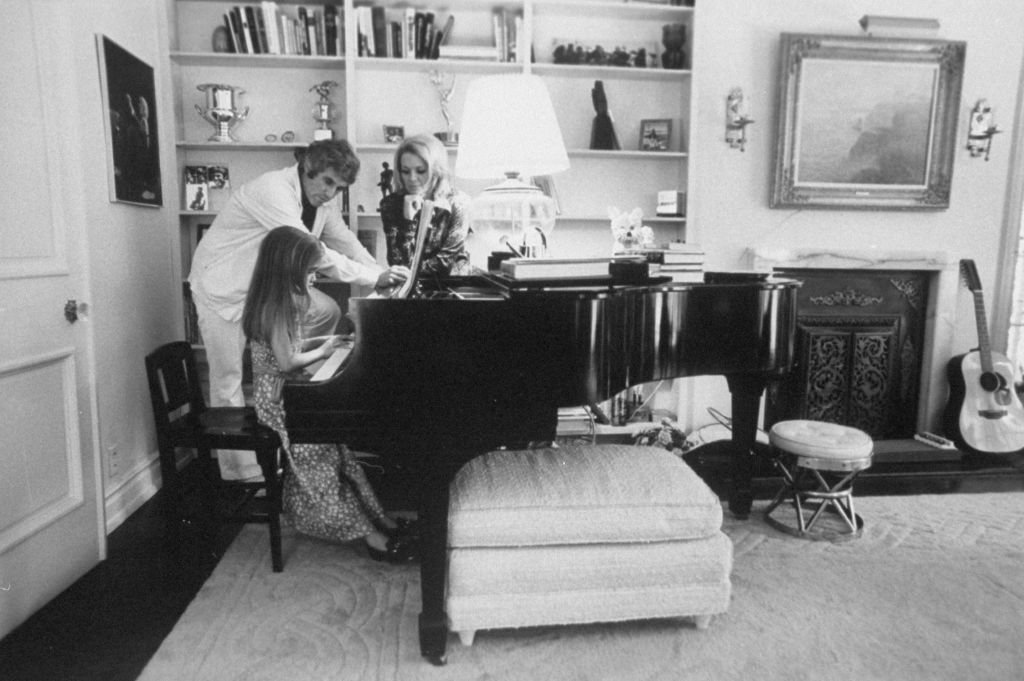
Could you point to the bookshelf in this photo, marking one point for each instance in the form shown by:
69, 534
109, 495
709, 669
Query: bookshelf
376, 91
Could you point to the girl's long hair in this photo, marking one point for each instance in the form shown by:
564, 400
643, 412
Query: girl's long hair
278, 294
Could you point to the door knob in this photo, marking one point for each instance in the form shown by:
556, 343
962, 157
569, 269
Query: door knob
75, 310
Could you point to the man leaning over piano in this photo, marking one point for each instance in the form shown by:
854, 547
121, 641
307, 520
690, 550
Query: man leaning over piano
303, 196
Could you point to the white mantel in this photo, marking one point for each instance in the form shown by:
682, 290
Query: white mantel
940, 319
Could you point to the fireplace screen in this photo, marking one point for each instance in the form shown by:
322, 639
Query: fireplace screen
859, 350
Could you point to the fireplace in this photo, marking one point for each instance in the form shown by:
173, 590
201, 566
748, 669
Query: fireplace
874, 334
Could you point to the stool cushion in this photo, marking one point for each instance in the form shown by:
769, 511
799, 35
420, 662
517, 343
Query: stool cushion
820, 440
580, 494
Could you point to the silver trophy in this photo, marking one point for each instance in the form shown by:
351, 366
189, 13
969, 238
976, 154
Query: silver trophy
222, 109
322, 112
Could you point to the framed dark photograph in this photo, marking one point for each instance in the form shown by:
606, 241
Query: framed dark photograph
655, 134
393, 134
866, 122
129, 98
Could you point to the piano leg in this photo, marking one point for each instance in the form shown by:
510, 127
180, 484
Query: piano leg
433, 512
746, 390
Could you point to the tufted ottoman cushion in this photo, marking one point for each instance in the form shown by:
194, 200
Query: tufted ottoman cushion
579, 495
592, 533
826, 446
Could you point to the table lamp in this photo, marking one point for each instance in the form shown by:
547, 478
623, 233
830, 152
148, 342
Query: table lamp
509, 131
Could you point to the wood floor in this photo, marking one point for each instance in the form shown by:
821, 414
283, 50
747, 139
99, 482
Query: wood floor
106, 626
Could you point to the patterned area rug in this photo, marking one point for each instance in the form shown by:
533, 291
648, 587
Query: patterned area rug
933, 590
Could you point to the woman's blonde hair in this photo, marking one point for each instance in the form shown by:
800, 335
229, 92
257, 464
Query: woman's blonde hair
435, 155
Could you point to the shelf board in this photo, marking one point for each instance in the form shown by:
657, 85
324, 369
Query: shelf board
609, 72
242, 146
657, 219
392, 64
297, 61
390, 149
637, 9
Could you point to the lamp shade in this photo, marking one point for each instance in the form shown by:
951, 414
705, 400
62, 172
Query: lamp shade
509, 128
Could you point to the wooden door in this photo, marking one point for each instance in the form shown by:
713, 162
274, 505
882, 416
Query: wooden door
51, 529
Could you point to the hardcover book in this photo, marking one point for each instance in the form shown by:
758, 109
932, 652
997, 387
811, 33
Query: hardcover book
555, 268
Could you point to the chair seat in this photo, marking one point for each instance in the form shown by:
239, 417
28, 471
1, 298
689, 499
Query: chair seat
183, 420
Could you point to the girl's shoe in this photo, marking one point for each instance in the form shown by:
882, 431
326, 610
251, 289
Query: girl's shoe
401, 549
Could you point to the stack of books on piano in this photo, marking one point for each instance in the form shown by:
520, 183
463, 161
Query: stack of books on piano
684, 262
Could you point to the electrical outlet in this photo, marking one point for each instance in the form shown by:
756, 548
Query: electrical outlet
113, 460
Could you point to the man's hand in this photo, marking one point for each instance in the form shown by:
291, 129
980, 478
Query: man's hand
393, 276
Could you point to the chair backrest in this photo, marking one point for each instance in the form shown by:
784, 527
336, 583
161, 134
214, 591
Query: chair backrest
174, 386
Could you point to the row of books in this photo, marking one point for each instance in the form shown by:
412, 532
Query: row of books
415, 33
267, 28
401, 33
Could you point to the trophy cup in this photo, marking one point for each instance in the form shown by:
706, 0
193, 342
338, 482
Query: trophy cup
322, 110
221, 109
445, 84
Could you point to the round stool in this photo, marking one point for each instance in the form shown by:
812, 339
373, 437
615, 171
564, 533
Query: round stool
818, 462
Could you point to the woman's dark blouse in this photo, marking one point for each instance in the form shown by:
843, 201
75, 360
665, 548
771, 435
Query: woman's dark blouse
445, 251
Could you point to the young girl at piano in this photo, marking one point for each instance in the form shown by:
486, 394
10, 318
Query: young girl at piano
326, 493
422, 173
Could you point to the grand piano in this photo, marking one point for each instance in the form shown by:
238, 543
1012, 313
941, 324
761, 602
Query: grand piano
480, 362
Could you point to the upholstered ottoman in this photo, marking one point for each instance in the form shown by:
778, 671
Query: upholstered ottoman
589, 533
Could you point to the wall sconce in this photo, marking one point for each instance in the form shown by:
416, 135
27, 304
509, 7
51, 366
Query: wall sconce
981, 130
736, 120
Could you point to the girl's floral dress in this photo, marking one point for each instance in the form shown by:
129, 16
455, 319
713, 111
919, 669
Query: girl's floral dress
326, 493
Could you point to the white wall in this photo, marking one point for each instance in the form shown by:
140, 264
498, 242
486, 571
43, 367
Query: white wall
134, 295
736, 45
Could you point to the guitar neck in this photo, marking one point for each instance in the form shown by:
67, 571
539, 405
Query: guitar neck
984, 347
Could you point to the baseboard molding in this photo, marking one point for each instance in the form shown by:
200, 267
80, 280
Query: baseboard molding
131, 493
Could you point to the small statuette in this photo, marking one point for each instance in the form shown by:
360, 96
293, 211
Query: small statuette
222, 109
445, 84
322, 113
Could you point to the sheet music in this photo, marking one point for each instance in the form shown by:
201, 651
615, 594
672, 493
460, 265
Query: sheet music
331, 364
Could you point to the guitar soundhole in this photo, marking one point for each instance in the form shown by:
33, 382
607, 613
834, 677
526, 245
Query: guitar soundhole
990, 381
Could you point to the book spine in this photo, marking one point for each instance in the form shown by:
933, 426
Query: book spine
331, 30
253, 29
231, 19
380, 31
243, 26
409, 34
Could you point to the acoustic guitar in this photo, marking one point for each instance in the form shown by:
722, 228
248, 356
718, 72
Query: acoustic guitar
984, 413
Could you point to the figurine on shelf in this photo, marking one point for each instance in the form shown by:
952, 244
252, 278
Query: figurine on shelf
673, 37
602, 135
386, 176
445, 84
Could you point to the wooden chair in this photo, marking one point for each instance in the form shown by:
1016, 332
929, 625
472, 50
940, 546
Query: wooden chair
183, 420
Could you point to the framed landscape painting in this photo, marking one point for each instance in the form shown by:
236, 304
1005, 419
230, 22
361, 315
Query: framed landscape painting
866, 122
129, 98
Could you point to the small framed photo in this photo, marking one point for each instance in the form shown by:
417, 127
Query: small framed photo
393, 134
655, 134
